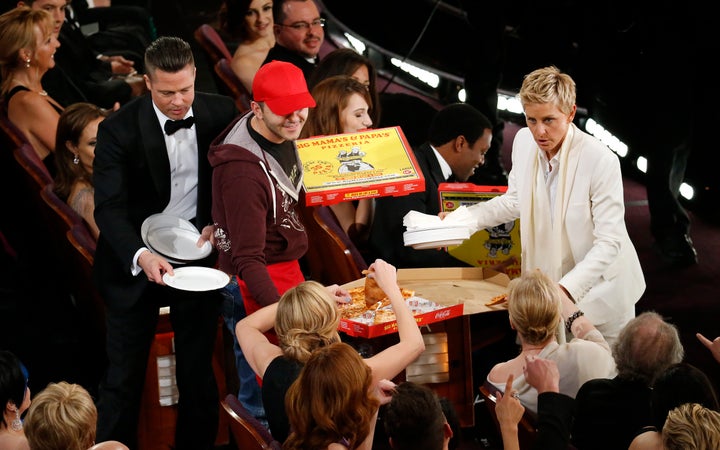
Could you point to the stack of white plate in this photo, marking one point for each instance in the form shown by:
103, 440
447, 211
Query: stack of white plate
173, 238
435, 237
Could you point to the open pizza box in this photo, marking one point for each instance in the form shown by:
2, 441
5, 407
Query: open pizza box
452, 291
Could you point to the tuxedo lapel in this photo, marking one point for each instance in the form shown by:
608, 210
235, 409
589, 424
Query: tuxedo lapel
434, 172
155, 150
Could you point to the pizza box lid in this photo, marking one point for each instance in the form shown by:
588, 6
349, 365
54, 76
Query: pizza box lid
458, 290
352, 166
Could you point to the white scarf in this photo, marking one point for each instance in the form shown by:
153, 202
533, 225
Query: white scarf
543, 240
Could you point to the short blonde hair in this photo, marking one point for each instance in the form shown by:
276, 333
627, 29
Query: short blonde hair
548, 85
534, 306
307, 318
62, 417
691, 426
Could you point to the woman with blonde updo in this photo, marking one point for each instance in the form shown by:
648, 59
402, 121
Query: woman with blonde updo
691, 426
305, 319
537, 310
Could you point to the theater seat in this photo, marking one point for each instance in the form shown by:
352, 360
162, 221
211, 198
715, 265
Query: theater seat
212, 43
232, 86
247, 432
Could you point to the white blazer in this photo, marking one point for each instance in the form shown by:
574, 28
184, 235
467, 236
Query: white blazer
600, 267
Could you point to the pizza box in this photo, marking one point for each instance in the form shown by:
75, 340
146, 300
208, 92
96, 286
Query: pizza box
491, 247
456, 290
353, 166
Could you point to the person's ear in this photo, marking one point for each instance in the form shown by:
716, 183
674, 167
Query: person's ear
148, 83
447, 431
459, 142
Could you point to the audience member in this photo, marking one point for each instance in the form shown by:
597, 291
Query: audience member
259, 234
566, 188
15, 398
679, 384
334, 402
62, 417
251, 22
458, 138
691, 426
307, 318
299, 34
414, 419
555, 410
646, 346
713, 346
81, 74
347, 61
74, 155
451, 415
537, 309
342, 106
27, 47
139, 171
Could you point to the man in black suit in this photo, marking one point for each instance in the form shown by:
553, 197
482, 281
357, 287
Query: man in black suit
140, 171
458, 138
299, 34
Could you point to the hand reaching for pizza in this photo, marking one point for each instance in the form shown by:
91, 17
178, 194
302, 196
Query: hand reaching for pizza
385, 275
340, 295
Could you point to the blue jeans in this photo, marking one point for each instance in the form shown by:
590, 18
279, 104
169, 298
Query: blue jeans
249, 392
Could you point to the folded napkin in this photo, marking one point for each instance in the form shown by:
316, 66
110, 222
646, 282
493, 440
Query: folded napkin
461, 217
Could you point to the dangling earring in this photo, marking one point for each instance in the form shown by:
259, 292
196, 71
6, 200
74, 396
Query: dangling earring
27, 63
16, 424
76, 159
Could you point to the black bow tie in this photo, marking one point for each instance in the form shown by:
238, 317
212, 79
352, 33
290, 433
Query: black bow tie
171, 126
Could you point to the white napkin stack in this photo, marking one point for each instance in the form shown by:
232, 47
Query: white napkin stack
415, 220
429, 231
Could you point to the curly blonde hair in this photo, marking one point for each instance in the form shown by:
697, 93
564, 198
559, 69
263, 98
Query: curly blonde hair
307, 318
691, 426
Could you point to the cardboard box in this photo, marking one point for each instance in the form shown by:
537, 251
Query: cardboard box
352, 166
493, 247
458, 290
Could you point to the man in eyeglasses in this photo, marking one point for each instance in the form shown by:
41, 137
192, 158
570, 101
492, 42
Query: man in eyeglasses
299, 34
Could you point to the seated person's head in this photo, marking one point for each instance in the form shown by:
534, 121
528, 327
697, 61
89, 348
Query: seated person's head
646, 346
62, 417
341, 106
307, 319
468, 131
14, 391
346, 61
298, 26
678, 384
414, 419
22, 32
237, 18
691, 426
75, 145
534, 307
331, 400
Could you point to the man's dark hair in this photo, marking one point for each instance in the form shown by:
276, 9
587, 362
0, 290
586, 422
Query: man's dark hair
169, 54
279, 10
414, 419
457, 119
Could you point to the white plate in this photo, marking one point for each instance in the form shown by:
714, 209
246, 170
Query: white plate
194, 278
412, 238
177, 242
164, 220
436, 244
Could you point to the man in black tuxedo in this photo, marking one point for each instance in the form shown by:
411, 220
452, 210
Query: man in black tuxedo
140, 171
458, 138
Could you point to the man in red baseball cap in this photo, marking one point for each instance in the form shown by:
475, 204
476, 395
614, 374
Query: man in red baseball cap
256, 183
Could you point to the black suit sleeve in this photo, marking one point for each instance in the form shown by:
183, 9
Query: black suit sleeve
554, 421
